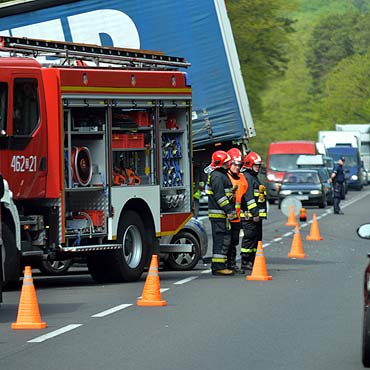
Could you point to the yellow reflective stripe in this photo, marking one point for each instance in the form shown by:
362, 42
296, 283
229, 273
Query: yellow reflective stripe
248, 250
216, 215
210, 192
251, 206
256, 193
223, 204
220, 260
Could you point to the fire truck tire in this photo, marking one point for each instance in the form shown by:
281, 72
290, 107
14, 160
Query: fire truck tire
11, 255
128, 263
97, 263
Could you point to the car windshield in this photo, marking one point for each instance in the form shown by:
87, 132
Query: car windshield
350, 160
283, 162
301, 177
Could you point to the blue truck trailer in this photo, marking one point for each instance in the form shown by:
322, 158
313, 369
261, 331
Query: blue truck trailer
199, 31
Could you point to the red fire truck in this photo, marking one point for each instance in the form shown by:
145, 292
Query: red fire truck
96, 152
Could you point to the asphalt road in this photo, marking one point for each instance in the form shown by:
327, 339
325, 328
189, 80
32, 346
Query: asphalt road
309, 316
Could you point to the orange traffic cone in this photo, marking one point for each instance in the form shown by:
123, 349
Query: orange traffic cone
28, 310
314, 230
302, 215
151, 293
296, 250
292, 221
259, 271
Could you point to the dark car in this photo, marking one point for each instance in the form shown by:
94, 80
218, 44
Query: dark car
364, 232
329, 191
305, 185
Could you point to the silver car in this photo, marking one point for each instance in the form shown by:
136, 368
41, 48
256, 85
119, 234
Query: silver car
184, 250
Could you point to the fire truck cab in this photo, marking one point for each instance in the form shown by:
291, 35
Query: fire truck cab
97, 158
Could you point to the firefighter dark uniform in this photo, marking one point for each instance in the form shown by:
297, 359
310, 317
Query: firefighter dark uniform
221, 209
255, 208
338, 179
240, 184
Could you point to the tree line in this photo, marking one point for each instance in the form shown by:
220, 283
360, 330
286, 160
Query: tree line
305, 64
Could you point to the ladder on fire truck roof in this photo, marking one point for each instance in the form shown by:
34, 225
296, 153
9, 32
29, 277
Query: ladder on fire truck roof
71, 51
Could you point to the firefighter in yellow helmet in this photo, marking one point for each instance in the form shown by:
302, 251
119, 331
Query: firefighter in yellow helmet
221, 210
255, 207
240, 185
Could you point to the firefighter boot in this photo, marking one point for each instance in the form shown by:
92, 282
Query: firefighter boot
246, 264
223, 272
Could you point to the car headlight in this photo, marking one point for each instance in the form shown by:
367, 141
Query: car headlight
285, 192
271, 177
354, 177
315, 192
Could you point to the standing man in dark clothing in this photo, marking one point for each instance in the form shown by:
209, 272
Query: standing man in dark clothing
221, 210
255, 209
240, 184
337, 177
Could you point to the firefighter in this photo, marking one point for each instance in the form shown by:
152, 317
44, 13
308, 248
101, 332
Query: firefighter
240, 183
221, 210
254, 205
197, 195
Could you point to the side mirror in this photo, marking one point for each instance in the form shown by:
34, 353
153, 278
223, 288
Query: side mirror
1, 186
364, 231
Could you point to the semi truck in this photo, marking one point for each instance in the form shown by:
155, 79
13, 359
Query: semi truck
364, 138
200, 31
96, 159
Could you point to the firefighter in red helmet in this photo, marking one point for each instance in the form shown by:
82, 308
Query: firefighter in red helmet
239, 181
255, 207
221, 210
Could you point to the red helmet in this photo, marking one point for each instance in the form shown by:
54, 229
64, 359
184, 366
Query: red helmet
219, 158
236, 155
251, 159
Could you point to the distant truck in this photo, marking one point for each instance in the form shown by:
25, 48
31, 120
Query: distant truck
352, 166
282, 156
331, 139
364, 131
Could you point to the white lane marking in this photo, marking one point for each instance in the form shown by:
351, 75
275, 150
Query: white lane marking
327, 213
53, 334
184, 281
112, 310
276, 240
206, 271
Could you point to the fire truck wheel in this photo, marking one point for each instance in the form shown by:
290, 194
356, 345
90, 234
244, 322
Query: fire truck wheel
184, 261
11, 256
97, 263
127, 264
50, 267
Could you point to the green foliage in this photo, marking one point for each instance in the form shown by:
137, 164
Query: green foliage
326, 79
347, 91
261, 30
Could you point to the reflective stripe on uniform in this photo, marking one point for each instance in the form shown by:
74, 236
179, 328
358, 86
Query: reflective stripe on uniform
216, 215
252, 205
248, 250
